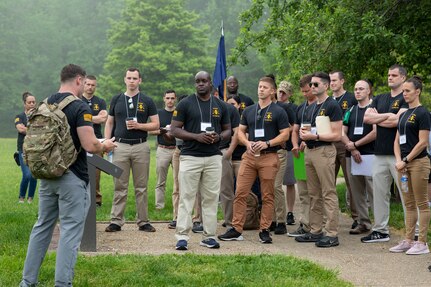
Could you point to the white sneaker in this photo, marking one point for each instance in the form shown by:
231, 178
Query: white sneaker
403, 246
418, 248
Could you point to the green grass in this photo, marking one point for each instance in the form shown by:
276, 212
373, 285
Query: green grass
16, 222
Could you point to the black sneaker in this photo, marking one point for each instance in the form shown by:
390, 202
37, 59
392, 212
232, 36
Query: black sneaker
375, 236
210, 243
147, 228
231, 234
309, 237
113, 228
197, 227
181, 245
273, 226
265, 237
172, 224
354, 224
280, 228
298, 232
327, 241
290, 219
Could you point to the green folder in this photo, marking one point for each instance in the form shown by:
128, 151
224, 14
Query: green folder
299, 167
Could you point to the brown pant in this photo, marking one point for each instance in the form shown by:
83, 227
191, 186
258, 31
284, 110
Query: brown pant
320, 168
265, 166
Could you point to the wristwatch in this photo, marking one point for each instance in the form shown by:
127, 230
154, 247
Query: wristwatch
405, 159
268, 144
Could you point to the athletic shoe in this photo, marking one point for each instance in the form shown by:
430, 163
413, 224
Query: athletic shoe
359, 229
280, 228
309, 237
210, 243
172, 224
298, 232
354, 224
21, 200
197, 227
113, 228
147, 228
403, 246
418, 248
181, 245
265, 236
273, 226
290, 219
327, 241
29, 200
375, 236
230, 235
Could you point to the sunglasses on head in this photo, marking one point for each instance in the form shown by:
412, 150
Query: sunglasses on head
258, 114
315, 84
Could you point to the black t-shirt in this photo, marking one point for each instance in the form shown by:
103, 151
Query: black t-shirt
234, 123
78, 115
165, 118
246, 101
290, 109
329, 108
356, 119
96, 105
271, 119
20, 119
122, 107
409, 124
385, 103
192, 111
346, 101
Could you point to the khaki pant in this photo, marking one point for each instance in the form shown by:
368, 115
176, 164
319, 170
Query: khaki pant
280, 210
320, 168
137, 158
198, 174
176, 188
265, 166
417, 198
227, 194
361, 188
304, 207
163, 161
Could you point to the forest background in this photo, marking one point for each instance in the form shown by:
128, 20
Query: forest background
171, 40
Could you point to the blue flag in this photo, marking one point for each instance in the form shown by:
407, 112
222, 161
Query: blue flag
220, 68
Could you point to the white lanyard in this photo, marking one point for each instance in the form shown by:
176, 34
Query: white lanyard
200, 111
127, 107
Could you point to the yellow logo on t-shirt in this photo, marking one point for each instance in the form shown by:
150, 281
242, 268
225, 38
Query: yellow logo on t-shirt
344, 105
140, 107
96, 107
322, 112
412, 118
268, 117
88, 117
16, 120
396, 104
242, 107
175, 113
216, 113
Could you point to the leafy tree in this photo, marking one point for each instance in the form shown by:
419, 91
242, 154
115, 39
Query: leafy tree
160, 38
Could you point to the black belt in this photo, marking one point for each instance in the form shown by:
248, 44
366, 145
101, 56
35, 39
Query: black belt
267, 151
131, 141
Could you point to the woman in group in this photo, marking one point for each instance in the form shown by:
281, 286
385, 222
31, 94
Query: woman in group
411, 159
27, 180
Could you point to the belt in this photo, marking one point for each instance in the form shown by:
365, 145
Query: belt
267, 151
166, 146
131, 141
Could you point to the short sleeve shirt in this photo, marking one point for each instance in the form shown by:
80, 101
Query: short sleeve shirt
234, 123
78, 115
122, 107
20, 119
290, 109
329, 108
246, 101
346, 101
270, 119
385, 103
192, 112
356, 120
96, 105
410, 123
165, 118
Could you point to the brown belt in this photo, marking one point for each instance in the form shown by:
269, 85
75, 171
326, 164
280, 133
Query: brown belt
166, 146
267, 151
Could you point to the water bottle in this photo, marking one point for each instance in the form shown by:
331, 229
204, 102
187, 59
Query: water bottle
404, 183
110, 155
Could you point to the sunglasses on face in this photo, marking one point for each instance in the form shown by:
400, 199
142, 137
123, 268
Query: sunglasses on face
315, 84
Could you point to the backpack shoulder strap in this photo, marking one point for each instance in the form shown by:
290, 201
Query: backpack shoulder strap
67, 100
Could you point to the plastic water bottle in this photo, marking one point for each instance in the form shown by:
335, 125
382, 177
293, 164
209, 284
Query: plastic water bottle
110, 155
404, 183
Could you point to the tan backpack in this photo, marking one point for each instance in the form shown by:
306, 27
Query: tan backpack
252, 220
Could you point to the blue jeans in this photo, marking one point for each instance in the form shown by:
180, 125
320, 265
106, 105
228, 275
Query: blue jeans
66, 198
27, 180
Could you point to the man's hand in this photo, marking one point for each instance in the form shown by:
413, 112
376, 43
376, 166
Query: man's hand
205, 138
109, 145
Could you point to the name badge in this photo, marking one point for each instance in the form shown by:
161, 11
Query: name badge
403, 139
313, 130
204, 126
358, 131
259, 133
